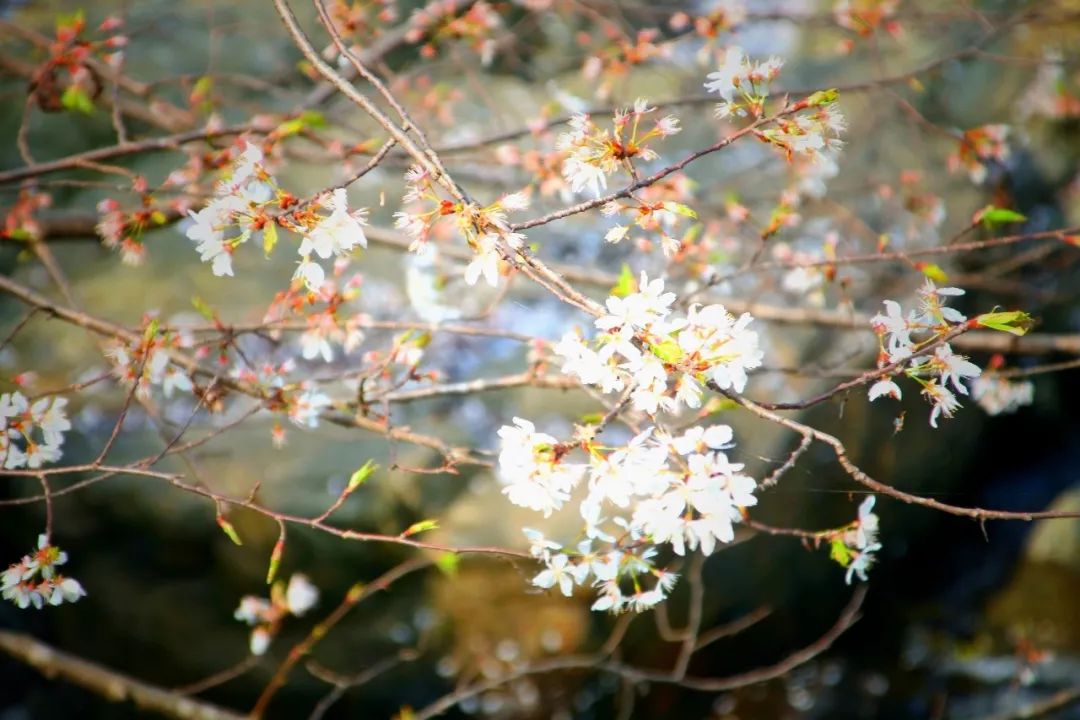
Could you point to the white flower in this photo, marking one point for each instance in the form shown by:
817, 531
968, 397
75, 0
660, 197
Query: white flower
301, 595
51, 418
898, 329
535, 476
583, 175
884, 388
337, 233
591, 367
717, 437
313, 344
726, 78
208, 233
305, 409
252, 610
69, 589
515, 201
175, 379
486, 261
260, 641
540, 546
617, 233
866, 531
861, 562
955, 367
557, 573
996, 395
723, 342
945, 403
311, 274
611, 598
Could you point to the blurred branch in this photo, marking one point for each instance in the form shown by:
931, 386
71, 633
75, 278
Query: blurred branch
109, 684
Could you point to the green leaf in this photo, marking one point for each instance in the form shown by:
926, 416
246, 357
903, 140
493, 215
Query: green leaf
627, 284
840, 552
447, 563
202, 308
668, 351
158, 217
275, 560
419, 527
823, 97
73, 20
20, 234
76, 100
991, 216
361, 475
151, 330
228, 529
270, 237
592, 418
934, 272
313, 119
306, 119
1016, 322
680, 209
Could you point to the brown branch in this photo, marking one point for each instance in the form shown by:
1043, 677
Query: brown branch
109, 684
848, 617
166, 142
355, 594
859, 476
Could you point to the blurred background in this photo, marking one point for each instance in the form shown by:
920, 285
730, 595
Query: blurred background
962, 620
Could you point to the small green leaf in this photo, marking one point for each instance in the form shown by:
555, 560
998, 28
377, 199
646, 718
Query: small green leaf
361, 475
202, 308
313, 119
592, 418
1016, 322
275, 560
680, 209
270, 237
934, 272
228, 529
20, 234
151, 330
419, 527
158, 217
991, 216
76, 100
668, 351
74, 21
823, 97
448, 563
627, 284
840, 552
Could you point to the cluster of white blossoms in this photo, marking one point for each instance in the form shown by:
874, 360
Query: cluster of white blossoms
741, 83
936, 372
485, 229
240, 210
31, 434
997, 395
657, 490
854, 548
147, 365
593, 153
230, 219
334, 235
35, 581
661, 357
265, 616
808, 128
